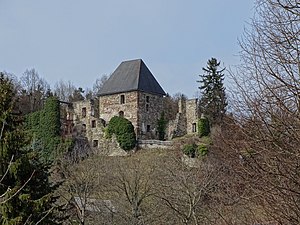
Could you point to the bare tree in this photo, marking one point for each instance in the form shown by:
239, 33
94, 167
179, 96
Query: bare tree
266, 111
133, 190
64, 90
79, 188
187, 191
34, 90
99, 84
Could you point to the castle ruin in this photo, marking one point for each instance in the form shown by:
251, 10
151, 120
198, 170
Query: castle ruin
131, 92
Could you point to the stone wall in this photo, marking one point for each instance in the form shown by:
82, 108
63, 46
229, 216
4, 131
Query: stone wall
111, 105
150, 107
192, 115
186, 121
86, 121
142, 109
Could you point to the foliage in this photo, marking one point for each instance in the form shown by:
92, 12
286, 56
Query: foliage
44, 126
161, 126
25, 190
203, 127
213, 99
190, 150
124, 131
202, 149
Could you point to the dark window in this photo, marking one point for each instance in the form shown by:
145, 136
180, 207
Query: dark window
95, 143
194, 127
103, 122
83, 128
83, 112
122, 99
121, 114
148, 128
147, 99
93, 123
147, 107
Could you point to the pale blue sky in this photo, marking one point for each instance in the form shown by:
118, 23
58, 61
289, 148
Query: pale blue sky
80, 40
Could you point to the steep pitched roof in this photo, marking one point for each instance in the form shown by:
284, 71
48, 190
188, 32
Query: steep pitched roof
131, 75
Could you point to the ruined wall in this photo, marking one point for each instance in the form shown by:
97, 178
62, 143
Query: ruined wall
86, 121
150, 107
191, 115
186, 121
142, 109
112, 105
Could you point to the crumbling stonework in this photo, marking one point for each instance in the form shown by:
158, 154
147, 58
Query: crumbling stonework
131, 92
191, 115
142, 109
116, 105
186, 121
87, 122
149, 110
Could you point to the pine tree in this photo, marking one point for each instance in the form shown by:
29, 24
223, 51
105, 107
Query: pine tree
213, 102
25, 190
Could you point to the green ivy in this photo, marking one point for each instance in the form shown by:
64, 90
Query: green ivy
44, 128
124, 131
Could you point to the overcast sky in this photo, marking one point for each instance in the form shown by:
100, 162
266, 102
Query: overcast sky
80, 40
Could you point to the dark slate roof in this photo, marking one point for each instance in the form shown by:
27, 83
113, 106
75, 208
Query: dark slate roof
131, 75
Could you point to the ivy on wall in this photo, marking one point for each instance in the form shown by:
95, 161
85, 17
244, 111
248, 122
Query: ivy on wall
124, 131
44, 128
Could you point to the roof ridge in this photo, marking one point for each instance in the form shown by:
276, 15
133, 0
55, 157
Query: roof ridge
139, 73
132, 75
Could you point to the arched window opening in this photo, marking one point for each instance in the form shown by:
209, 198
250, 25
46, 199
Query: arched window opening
121, 114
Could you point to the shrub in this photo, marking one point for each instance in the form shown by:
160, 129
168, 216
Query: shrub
202, 149
161, 126
190, 150
124, 131
203, 127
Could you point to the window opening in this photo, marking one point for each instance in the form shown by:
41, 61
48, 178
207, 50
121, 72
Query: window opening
83, 112
93, 123
122, 99
194, 127
83, 128
95, 143
121, 114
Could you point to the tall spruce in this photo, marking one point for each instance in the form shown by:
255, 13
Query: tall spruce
213, 101
26, 194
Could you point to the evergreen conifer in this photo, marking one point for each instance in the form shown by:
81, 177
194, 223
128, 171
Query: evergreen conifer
213, 99
25, 190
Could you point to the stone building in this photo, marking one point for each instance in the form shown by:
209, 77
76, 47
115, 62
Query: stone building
133, 92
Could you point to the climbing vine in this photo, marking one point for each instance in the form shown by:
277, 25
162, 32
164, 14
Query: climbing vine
124, 131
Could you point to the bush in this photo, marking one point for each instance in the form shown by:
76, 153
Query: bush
190, 150
203, 127
124, 131
161, 126
202, 149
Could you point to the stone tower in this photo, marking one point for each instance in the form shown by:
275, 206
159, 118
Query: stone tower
133, 92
